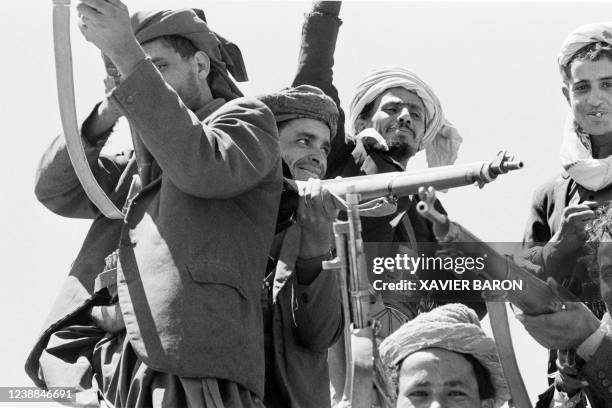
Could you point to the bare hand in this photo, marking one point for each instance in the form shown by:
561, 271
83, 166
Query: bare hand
316, 212
575, 218
371, 138
561, 330
106, 24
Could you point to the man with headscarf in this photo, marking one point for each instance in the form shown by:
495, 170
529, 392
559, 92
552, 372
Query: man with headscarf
555, 233
443, 358
302, 313
186, 273
392, 116
589, 379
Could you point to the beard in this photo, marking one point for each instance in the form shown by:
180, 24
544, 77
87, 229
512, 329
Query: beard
401, 151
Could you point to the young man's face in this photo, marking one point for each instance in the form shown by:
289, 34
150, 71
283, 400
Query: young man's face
589, 93
399, 117
305, 145
438, 378
184, 75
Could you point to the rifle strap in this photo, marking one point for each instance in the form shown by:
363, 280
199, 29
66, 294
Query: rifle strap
498, 317
65, 92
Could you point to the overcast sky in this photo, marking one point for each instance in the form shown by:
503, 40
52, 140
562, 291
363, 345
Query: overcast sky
492, 65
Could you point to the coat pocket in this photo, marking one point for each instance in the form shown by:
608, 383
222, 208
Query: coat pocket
216, 274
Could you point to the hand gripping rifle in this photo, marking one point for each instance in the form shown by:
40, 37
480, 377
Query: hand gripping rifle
535, 298
350, 262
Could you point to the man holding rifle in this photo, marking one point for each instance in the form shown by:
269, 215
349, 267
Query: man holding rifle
302, 312
193, 246
577, 328
561, 208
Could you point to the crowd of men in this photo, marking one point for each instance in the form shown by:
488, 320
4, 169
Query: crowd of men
211, 293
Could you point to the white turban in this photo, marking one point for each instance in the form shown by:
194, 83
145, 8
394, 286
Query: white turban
576, 152
453, 327
441, 140
583, 36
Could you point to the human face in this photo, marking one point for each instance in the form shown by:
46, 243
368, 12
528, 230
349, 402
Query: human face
604, 261
185, 76
399, 117
437, 378
589, 93
304, 145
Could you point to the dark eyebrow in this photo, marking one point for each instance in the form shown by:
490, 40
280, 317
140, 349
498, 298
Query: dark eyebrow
608, 78
454, 383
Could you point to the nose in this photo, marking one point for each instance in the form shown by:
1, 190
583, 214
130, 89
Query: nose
404, 115
595, 97
316, 158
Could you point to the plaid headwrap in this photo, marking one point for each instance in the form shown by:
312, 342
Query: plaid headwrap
441, 140
583, 36
453, 327
191, 24
304, 101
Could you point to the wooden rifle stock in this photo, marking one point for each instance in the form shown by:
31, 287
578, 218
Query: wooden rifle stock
535, 298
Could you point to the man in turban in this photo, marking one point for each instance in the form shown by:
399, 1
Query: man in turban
443, 358
555, 233
184, 325
392, 116
302, 313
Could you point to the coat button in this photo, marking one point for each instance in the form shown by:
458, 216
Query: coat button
605, 382
129, 99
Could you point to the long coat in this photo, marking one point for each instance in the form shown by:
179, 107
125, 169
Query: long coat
193, 246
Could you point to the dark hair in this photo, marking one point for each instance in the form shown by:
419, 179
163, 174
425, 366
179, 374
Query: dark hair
486, 390
590, 52
180, 44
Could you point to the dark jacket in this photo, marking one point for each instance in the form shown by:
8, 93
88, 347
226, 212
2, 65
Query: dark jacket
192, 241
306, 318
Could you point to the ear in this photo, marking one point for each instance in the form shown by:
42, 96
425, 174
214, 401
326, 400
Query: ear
203, 62
565, 91
361, 124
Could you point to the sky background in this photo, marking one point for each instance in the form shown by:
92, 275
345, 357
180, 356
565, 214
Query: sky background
492, 65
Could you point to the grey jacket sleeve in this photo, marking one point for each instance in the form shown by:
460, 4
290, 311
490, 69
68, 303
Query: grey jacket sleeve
231, 152
57, 186
318, 316
598, 371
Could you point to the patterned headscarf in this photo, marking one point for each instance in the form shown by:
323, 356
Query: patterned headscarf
576, 150
191, 24
453, 327
304, 101
441, 140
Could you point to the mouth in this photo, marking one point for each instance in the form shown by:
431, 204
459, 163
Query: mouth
597, 114
402, 129
312, 171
